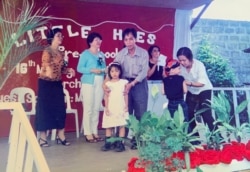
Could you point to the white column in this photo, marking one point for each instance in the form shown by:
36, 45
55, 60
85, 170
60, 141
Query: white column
182, 32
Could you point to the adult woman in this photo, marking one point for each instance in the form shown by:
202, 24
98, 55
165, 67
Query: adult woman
155, 71
199, 86
92, 67
50, 108
155, 75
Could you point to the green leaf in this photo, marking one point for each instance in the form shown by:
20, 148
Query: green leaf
154, 91
228, 126
14, 23
198, 169
133, 124
242, 106
179, 116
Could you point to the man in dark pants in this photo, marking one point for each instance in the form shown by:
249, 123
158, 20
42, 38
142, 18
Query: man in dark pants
134, 62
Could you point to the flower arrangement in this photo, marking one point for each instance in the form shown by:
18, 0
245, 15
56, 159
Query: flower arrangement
164, 143
229, 152
158, 138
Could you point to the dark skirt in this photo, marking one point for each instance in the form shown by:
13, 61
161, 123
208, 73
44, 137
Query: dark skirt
50, 107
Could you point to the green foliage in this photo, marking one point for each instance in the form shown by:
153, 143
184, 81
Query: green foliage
15, 21
213, 139
222, 109
159, 137
218, 69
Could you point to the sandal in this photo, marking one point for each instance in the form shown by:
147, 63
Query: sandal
43, 143
92, 140
98, 139
63, 142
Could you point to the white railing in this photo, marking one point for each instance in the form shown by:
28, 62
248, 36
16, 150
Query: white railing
156, 105
24, 150
236, 91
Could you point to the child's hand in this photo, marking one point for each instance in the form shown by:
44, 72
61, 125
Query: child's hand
127, 88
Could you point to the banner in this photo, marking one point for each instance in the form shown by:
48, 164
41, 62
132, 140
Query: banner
155, 26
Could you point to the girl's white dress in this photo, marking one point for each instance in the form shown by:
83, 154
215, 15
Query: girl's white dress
117, 116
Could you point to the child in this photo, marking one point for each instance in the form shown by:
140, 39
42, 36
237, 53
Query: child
175, 87
116, 106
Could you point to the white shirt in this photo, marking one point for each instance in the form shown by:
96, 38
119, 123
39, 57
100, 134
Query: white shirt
197, 74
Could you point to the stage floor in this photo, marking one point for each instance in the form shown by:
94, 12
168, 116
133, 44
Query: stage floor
79, 157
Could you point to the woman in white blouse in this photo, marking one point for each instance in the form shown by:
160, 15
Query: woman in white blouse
199, 86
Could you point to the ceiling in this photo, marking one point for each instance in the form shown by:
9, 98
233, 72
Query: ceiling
177, 4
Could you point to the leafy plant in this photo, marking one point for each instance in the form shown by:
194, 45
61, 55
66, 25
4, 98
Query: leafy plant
218, 69
159, 137
14, 23
213, 139
222, 109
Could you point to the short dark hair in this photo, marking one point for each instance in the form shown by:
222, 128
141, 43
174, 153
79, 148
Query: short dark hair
185, 51
51, 34
128, 31
92, 36
115, 65
150, 49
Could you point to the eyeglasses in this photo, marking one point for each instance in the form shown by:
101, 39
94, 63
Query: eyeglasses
155, 50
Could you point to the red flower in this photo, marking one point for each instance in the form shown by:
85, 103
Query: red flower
131, 166
209, 157
238, 151
179, 155
233, 150
132, 161
226, 154
195, 159
247, 155
248, 145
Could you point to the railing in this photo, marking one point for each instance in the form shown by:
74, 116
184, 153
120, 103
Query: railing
24, 150
238, 95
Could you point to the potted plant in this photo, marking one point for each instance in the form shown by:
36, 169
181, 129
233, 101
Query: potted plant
159, 137
165, 144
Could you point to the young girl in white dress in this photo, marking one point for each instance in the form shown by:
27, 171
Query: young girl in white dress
116, 106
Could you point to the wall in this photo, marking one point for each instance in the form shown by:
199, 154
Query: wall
229, 38
153, 25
